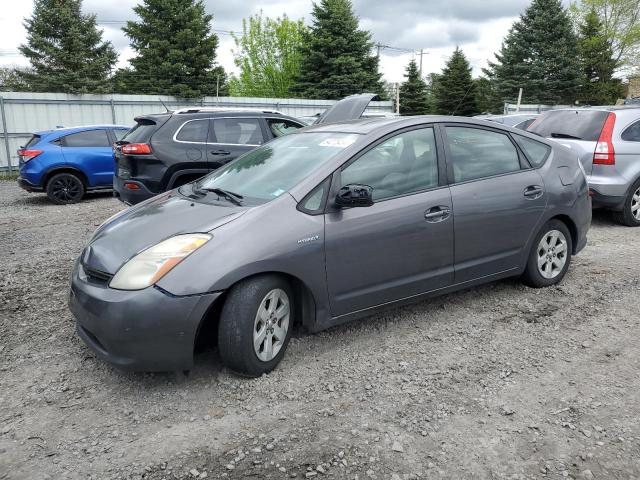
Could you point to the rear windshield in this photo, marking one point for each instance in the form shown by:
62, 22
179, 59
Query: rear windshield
141, 132
32, 141
570, 124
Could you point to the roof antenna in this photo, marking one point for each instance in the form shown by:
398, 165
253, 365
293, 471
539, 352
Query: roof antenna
164, 105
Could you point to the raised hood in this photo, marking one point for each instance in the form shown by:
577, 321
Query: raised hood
142, 226
349, 108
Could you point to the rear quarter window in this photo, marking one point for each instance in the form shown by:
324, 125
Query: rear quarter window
570, 124
32, 141
632, 133
536, 152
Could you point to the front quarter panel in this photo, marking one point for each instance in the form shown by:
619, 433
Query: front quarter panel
274, 237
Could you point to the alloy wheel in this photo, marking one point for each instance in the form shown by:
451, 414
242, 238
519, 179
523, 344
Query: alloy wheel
66, 189
552, 254
635, 205
271, 324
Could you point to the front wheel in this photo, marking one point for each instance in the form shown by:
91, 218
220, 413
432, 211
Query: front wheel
255, 325
65, 188
550, 256
630, 214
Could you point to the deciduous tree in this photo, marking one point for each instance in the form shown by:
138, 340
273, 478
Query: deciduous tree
268, 56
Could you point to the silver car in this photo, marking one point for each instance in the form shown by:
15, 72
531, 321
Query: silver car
323, 226
607, 140
516, 120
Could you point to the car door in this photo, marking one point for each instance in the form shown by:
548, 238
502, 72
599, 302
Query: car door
90, 151
498, 200
192, 137
400, 246
230, 137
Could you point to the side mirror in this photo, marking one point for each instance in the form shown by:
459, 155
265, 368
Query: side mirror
354, 195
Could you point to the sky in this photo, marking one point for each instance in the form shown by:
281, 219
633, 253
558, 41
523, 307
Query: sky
435, 26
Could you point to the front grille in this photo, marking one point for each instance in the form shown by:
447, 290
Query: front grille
97, 275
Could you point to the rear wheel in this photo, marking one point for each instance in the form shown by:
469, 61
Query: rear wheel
630, 214
255, 325
65, 188
550, 256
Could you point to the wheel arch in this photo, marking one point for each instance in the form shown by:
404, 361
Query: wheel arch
65, 169
304, 300
573, 229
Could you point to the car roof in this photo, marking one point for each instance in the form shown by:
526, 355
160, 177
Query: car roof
369, 125
609, 108
81, 128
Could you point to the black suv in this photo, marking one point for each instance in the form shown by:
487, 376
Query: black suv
170, 149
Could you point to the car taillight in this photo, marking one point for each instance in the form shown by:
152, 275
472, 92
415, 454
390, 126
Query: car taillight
136, 149
29, 154
604, 153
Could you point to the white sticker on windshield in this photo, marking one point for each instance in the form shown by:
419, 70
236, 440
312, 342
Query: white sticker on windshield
338, 142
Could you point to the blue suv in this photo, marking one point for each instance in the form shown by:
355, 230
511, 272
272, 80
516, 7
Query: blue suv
68, 162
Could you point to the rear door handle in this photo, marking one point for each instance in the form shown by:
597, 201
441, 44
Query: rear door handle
533, 191
437, 214
219, 152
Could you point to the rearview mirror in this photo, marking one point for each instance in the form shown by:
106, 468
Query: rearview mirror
354, 195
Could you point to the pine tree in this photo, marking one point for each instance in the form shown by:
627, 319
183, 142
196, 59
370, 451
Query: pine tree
539, 55
596, 56
413, 92
66, 50
455, 91
486, 99
175, 48
336, 55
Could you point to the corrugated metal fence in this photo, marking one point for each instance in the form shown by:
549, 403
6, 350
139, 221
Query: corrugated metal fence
24, 113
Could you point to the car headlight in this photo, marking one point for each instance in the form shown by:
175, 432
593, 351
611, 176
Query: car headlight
150, 265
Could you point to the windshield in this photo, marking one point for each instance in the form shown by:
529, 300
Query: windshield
572, 124
272, 169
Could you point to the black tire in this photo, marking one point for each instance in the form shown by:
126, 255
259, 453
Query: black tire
65, 188
626, 217
238, 320
532, 275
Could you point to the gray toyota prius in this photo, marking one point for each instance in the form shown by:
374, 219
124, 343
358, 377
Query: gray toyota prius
322, 226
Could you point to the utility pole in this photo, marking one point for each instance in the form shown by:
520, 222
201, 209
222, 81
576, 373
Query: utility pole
422, 52
519, 101
397, 98
379, 45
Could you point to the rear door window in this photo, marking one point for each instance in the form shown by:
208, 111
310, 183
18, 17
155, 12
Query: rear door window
570, 124
237, 131
632, 133
195, 131
536, 152
476, 153
90, 138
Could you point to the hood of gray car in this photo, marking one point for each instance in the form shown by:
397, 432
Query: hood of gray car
140, 227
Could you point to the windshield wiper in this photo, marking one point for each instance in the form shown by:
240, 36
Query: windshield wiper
565, 135
234, 198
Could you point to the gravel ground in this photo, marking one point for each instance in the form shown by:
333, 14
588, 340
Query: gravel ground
495, 382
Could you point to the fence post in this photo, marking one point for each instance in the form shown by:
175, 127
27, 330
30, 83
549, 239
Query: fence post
6, 135
113, 111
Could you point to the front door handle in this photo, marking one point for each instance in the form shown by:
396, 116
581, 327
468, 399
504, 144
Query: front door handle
219, 152
437, 214
533, 191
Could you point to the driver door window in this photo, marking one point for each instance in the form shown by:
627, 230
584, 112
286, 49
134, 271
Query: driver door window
404, 164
